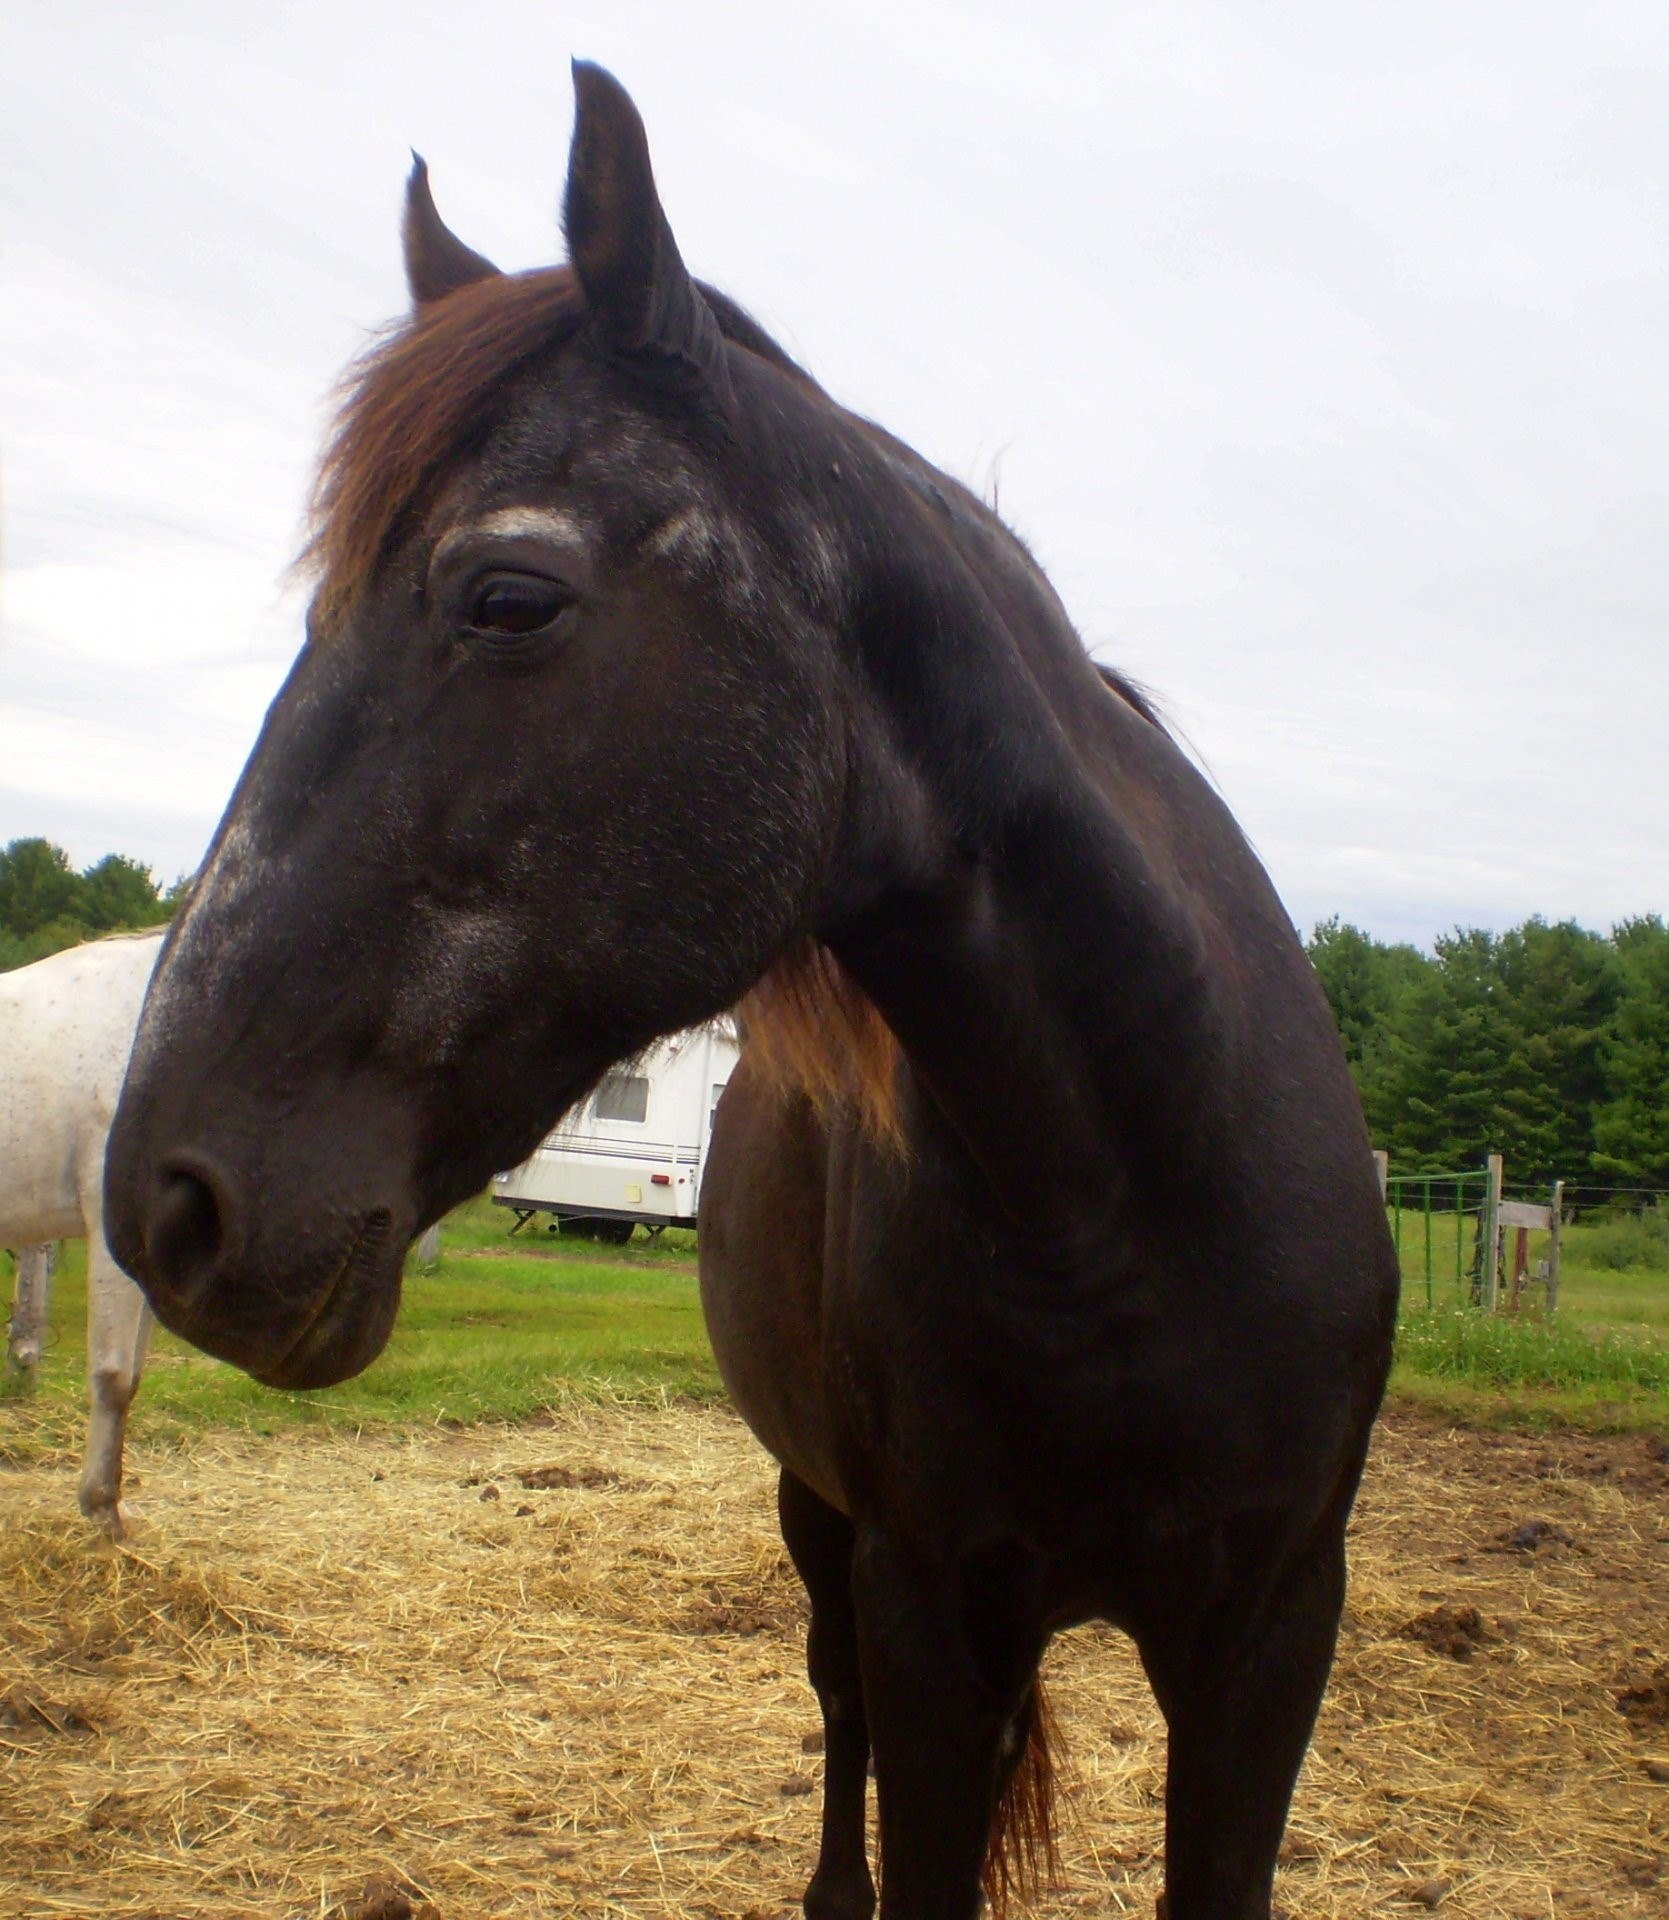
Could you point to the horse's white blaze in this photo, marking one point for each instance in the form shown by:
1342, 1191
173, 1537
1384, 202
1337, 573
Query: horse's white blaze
66, 1030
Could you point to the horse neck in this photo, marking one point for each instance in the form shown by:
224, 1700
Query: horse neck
1011, 906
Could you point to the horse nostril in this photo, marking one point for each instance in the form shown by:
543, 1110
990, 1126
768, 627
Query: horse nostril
185, 1234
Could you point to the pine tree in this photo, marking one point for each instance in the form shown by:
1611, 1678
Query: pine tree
1559, 986
1631, 1122
1498, 1049
1433, 1085
1363, 979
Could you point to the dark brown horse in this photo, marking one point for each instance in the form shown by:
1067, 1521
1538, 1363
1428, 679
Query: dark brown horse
1041, 1243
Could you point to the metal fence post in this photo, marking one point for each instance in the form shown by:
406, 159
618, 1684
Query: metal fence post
1460, 1240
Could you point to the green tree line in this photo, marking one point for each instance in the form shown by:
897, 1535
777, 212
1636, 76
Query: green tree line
1548, 1044
46, 905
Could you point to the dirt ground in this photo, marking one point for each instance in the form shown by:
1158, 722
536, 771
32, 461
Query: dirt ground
557, 1669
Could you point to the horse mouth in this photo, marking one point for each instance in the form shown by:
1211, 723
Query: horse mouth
350, 1322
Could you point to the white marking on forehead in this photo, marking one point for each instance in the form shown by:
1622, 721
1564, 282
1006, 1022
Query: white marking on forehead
517, 523
711, 544
692, 532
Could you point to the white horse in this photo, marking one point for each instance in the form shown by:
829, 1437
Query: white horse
66, 1029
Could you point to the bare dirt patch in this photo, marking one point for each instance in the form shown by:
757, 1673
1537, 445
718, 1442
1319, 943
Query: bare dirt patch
1648, 1700
328, 1679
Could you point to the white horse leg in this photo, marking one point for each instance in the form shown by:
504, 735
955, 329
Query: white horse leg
118, 1324
27, 1333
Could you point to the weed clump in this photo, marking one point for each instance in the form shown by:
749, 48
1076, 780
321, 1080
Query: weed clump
1629, 1242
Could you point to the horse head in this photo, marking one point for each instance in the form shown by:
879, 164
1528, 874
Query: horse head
557, 770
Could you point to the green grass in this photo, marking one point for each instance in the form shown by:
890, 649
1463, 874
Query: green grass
1601, 1364
501, 1329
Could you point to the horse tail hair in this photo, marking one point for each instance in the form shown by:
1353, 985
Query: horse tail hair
1023, 1856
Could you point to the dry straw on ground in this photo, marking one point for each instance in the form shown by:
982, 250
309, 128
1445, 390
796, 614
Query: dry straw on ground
557, 1669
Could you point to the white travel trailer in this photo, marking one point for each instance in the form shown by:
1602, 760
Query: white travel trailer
635, 1151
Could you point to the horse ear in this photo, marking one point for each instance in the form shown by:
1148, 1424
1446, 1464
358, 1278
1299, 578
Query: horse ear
644, 308
437, 261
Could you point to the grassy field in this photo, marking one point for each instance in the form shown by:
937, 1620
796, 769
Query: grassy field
499, 1330
1602, 1363
503, 1328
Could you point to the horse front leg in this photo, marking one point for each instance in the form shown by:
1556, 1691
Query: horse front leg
949, 1659
1240, 1700
820, 1541
118, 1325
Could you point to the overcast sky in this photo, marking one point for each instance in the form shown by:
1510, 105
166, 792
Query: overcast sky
1321, 351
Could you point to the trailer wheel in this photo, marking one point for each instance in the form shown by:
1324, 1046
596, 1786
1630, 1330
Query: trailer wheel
613, 1233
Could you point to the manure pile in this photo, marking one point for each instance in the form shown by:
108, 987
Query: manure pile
557, 1669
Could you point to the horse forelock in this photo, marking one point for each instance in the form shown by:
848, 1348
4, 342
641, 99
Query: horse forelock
426, 391
416, 400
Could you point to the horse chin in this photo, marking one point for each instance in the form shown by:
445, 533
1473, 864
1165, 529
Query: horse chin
346, 1334
350, 1323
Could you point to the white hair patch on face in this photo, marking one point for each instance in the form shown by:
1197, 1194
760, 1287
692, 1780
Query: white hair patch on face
517, 523
698, 540
690, 534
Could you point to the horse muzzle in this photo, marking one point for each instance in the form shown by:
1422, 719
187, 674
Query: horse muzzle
278, 1253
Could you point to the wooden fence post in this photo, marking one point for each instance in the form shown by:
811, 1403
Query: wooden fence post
1520, 1267
1382, 1166
1490, 1278
427, 1251
1553, 1246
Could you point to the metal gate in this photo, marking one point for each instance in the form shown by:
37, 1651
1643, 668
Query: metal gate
1444, 1221
1447, 1224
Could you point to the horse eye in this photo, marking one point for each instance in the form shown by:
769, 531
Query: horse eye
515, 604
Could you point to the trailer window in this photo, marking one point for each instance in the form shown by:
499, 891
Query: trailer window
622, 1096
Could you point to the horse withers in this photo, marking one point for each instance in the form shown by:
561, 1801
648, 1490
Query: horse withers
66, 1027
1040, 1241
